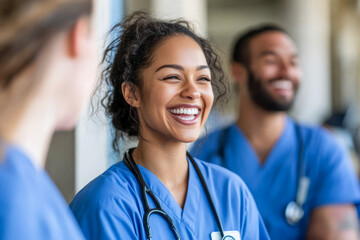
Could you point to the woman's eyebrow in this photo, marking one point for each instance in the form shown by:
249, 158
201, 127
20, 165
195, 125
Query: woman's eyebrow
202, 67
178, 67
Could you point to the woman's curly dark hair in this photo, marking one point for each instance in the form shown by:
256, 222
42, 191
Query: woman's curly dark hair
136, 39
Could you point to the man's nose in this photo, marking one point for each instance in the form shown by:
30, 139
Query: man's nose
285, 69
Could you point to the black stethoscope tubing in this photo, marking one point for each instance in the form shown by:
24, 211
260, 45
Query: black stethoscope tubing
130, 163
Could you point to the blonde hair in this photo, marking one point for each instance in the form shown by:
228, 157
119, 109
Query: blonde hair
27, 25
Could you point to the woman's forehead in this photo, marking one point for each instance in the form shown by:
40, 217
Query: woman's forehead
179, 49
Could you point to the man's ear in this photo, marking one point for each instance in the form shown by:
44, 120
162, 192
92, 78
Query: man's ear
131, 94
238, 72
78, 37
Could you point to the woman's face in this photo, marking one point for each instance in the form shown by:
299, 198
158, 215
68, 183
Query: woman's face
176, 94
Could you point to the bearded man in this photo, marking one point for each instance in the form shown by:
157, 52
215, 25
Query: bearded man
302, 180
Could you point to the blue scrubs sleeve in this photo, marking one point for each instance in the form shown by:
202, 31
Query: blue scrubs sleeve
103, 223
336, 181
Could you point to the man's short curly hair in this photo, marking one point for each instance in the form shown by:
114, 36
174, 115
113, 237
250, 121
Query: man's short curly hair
136, 39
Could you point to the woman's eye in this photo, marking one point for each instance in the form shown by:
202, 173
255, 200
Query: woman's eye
172, 77
204, 79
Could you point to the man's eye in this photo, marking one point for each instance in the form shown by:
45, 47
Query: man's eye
270, 61
294, 63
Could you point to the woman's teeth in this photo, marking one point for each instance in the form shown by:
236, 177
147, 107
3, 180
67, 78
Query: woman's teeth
181, 112
188, 111
192, 117
282, 84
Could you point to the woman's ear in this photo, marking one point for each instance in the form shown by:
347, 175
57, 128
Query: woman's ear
131, 94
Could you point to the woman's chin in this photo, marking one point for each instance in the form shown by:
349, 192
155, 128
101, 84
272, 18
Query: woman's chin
189, 138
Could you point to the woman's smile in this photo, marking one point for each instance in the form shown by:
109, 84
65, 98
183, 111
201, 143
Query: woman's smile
186, 114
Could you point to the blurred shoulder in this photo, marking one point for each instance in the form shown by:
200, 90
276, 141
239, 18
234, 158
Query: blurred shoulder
319, 136
18, 177
210, 142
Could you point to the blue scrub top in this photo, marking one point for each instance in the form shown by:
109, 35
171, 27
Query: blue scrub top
273, 184
111, 206
31, 207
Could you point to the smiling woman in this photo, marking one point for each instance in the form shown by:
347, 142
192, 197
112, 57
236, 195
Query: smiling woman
134, 51
172, 93
161, 83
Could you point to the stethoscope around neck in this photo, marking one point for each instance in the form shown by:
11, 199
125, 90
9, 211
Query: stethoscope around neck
145, 190
294, 211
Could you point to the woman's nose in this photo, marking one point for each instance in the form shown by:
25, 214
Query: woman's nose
190, 90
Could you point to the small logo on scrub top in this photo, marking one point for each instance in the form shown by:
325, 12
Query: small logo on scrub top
229, 235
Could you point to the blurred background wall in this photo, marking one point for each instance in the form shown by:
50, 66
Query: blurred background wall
326, 33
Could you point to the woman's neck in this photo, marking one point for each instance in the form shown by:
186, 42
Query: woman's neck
27, 121
169, 163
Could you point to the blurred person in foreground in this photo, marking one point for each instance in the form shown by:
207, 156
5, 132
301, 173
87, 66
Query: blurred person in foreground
302, 181
47, 72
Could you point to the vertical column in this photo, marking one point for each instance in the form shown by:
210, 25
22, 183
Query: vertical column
92, 132
308, 22
345, 50
190, 10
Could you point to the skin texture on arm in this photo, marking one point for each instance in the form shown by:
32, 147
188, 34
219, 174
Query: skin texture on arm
336, 222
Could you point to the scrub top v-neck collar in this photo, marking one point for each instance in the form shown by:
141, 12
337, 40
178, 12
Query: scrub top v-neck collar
189, 214
247, 164
250, 151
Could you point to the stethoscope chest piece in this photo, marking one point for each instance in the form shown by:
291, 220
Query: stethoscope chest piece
293, 213
228, 237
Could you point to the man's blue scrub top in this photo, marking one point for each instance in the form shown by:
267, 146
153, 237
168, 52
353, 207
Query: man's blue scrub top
273, 184
111, 206
31, 207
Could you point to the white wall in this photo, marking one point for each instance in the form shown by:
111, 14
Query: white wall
193, 11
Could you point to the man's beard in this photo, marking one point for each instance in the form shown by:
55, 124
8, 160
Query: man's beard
262, 97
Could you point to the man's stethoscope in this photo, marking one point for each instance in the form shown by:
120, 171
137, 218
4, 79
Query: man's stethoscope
130, 163
294, 210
